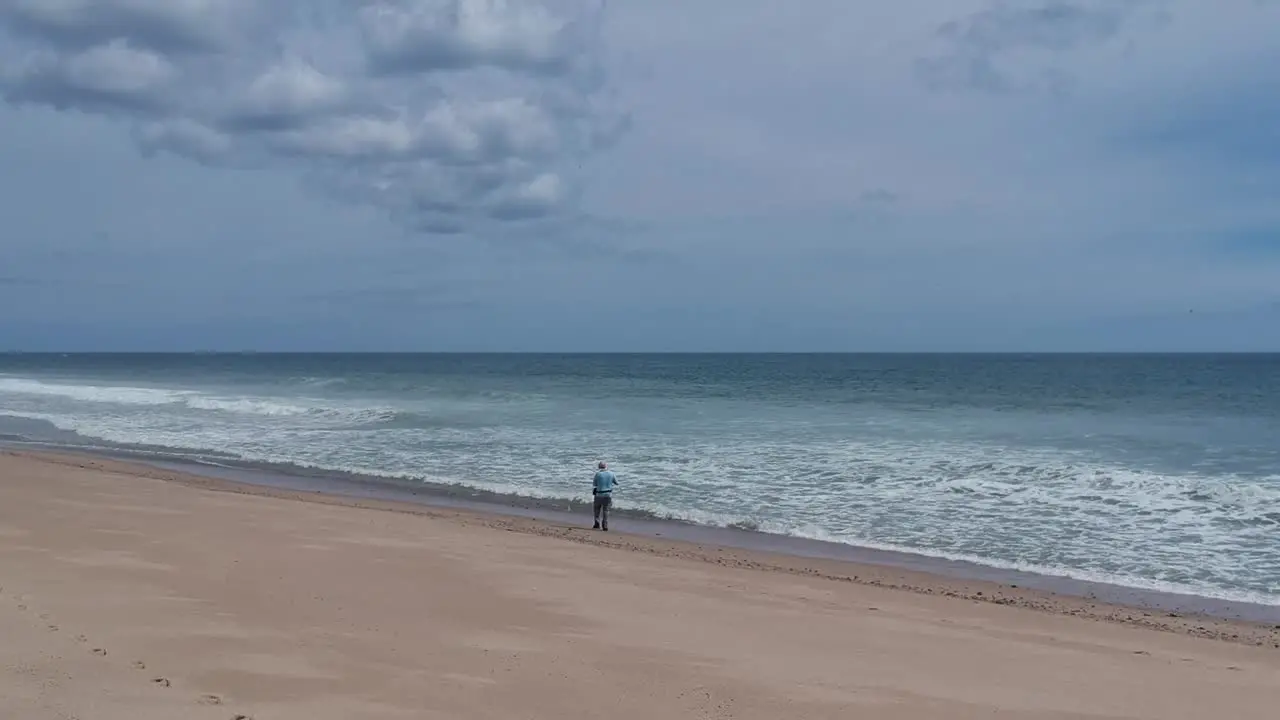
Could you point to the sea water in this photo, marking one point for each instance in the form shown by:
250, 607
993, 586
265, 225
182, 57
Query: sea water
1159, 472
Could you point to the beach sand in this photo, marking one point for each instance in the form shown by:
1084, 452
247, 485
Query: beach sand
128, 592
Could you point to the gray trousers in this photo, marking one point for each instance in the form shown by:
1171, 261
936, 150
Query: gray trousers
600, 506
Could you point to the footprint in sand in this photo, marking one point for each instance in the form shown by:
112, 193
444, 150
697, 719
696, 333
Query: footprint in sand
52, 628
162, 682
139, 665
100, 652
81, 638
210, 700
241, 717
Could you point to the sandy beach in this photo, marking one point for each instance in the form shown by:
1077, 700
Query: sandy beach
132, 592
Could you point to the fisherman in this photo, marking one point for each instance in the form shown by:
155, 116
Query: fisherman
602, 489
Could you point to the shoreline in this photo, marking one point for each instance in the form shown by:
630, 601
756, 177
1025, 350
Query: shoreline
296, 478
921, 575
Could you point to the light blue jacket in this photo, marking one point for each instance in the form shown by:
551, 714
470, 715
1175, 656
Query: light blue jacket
604, 482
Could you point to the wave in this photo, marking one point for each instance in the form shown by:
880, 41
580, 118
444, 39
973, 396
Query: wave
319, 381
275, 408
117, 395
199, 400
812, 532
1123, 580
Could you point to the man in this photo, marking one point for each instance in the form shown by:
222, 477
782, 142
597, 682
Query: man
602, 488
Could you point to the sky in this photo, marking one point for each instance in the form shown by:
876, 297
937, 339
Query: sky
640, 175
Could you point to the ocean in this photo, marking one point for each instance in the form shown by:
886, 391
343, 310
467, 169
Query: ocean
1156, 472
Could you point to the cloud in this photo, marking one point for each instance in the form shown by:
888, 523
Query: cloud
106, 78
175, 26
411, 39
1229, 123
446, 114
10, 280
793, 180
288, 95
1004, 47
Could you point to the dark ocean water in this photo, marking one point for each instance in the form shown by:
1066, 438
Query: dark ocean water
1156, 471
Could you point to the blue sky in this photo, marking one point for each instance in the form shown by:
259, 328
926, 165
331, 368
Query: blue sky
640, 175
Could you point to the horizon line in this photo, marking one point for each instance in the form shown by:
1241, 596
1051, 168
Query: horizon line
637, 352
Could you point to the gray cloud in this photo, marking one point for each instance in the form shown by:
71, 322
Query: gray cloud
747, 211
447, 114
408, 38
989, 50
106, 78
878, 197
177, 26
10, 280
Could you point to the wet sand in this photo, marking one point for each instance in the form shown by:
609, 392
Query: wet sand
134, 592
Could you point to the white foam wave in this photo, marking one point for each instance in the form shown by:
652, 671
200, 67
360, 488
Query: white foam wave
195, 400
1072, 573
245, 405
812, 532
92, 393
321, 381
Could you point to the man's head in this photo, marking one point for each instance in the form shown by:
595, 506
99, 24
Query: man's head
602, 465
